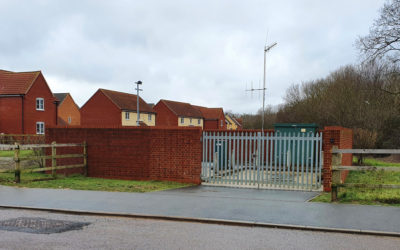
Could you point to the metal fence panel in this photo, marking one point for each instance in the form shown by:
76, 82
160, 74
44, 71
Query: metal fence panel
248, 159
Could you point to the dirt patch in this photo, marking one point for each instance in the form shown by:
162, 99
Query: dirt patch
7, 163
390, 158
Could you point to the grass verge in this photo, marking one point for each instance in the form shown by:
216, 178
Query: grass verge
368, 196
10, 153
80, 182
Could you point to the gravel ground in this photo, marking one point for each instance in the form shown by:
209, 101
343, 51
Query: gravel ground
9, 164
127, 233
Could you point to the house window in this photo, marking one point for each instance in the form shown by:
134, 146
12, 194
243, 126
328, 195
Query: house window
149, 118
126, 115
40, 128
198, 121
69, 119
190, 120
182, 120
222, 123
39, 104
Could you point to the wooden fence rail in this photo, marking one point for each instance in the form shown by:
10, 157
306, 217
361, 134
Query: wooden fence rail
337, 168
53, 157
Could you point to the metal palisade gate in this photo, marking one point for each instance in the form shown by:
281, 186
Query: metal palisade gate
272, 160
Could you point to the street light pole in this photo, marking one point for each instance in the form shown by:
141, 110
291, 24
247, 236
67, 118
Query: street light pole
137, 102
266, 49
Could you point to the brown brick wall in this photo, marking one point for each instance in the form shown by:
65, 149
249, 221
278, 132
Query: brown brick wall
335, 136
137, 153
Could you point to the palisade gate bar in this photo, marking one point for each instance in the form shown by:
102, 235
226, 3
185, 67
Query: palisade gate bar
270, 160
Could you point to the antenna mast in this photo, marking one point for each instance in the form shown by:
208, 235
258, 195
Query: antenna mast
266, 49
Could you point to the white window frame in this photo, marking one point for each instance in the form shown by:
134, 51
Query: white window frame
69, 119
149, 117
222, 123
40, 128
182, 120
127, 116
40, 103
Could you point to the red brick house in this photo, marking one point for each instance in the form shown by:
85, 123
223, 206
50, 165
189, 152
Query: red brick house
27, 105
214, 118
176, 114
108, 108
67, 110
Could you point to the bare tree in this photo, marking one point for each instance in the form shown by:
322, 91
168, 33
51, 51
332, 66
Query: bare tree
383, 39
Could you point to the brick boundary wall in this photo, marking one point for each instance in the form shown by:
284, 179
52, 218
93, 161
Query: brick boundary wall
335, 136
145, 153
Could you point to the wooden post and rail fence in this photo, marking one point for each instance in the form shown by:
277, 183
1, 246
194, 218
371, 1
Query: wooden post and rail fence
42, 158
337, 169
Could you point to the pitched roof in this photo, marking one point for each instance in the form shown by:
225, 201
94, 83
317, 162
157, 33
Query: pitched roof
210, 113
16, 83
125, 101
236, 121
240, 121
60, 96
182, 109
233, 119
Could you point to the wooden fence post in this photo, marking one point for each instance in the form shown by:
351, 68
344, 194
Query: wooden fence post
85, 158
336, 174
17, 164
53, 158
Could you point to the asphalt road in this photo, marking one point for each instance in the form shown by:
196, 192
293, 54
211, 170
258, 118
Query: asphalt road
128, 233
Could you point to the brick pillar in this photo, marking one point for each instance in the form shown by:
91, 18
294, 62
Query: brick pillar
335, 136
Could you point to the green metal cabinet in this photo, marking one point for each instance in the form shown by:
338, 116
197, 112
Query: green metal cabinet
295, 129
220, 150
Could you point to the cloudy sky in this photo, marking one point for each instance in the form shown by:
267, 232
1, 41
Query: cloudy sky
203, 52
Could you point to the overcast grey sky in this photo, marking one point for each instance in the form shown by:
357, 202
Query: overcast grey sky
202, 52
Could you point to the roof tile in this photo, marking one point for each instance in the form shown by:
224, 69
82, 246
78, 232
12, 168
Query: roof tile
210, 113
126, 101
16, 83
183, 109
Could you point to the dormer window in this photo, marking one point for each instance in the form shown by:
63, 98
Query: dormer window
126, 115
40, 104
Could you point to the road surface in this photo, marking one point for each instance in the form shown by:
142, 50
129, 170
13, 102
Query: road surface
129, 233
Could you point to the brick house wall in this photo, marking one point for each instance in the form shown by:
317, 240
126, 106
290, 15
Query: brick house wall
11, 115
68, 109
215, 124
165, 117
142, 153
100, 111
12, 119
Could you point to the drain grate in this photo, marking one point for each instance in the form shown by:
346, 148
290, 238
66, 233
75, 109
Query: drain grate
38, 225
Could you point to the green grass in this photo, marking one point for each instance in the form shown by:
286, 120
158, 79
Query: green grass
80, 182
368, 196
376, 162
10, 153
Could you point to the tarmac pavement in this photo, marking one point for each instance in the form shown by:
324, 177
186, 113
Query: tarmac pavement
251, 206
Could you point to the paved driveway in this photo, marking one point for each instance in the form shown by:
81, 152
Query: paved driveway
250, 205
